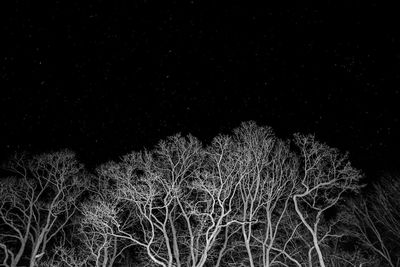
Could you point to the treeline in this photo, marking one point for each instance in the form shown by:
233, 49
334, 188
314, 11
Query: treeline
247, 199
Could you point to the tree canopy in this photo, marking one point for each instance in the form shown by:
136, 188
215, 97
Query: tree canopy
246, 199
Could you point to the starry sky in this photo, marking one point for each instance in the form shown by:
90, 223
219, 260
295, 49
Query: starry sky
104, 78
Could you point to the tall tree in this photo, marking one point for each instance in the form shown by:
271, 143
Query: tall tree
36, 203
269, 180
324, 175
376, 220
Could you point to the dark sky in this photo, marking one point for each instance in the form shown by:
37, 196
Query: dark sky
104, 78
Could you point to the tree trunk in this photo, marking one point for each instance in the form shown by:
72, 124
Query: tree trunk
312, 232
247, 245
318, 250
35, 250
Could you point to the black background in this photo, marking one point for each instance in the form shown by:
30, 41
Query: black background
105, 78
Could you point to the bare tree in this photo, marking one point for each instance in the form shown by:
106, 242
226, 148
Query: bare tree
376, 220
213, 210
150, 185
16, 213
37, 203
325, 175
182, 196
191, 203
269, 180
386, 210
99, 235
248, 199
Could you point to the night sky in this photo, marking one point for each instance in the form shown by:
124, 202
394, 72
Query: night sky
104, 78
